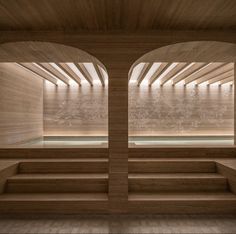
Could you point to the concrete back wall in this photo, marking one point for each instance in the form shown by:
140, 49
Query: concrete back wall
75, 111
202, 110
181, 110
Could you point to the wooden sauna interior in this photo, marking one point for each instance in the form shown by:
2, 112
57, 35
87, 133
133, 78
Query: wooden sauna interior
139, 96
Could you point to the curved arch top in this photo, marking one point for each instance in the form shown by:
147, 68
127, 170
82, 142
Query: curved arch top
194, 51
37, 51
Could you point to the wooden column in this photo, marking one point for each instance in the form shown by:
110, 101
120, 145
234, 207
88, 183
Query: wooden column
118, 137
234, 103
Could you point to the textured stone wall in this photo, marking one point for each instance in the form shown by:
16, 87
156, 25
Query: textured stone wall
179, 110
153, 111
73, 110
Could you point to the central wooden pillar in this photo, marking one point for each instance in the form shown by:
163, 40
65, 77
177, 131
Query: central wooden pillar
118, 137
234, 103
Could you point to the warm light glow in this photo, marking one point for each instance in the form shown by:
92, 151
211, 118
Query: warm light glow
91, 70
73, 83
47, 72
77, 72
136, 71
165, 72
180, 72
151, 71
61, 71
105, 75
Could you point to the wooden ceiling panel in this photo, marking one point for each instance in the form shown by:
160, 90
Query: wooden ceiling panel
202, 72
227, 80
173, 72
100, 74
84, 72
52, 70
69, 72
144, 72
160, 70
36, 70
117, 14
193, 68
221, 77
228, 67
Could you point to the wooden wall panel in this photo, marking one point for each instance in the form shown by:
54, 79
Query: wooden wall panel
21, 105
118, 137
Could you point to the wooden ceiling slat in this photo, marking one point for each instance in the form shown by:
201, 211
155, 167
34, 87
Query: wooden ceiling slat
202, 72
227, 80
100, 74
160, 70
50, 69
187, 72
126, 15
144, 72
173, 72
84, 72
66, 68
39, 72
221, 77
216, 72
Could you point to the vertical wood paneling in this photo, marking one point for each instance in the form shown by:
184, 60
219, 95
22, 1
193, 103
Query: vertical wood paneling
21, 105
234, 103
118, 137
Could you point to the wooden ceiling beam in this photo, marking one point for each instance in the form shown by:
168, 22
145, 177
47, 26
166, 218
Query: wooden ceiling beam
187, 72
144, 72
216, 72
221, 77
175, 70
100, 74
39, 72
227, 80
66, 68
160, 70
84, 72
52, 70
202, 72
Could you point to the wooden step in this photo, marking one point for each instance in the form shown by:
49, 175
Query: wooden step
170, 166
153, 182
54, 203
57, 183
64, 166
183, 203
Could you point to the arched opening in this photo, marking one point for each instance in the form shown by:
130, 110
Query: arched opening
52, 95
182, 94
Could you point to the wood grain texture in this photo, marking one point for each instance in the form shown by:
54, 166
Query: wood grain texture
7, 169
118, 136
228, 169
117, 15
119, 52
53, 153
21, 105
183, 152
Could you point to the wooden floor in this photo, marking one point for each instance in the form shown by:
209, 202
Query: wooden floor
128, 224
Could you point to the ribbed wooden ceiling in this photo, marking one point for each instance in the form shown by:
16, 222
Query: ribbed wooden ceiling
117, 14
182, 73
66, 72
